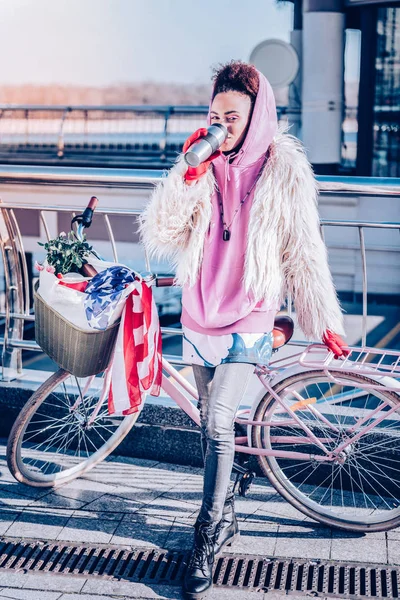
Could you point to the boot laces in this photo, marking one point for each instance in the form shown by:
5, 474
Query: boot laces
203, 551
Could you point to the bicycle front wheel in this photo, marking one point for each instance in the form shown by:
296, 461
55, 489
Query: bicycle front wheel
355, 488
57, 436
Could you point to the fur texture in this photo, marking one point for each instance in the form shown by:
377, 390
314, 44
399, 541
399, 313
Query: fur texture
285, 251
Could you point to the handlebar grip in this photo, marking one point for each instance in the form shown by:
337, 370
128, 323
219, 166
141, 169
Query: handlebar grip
164, 281
87, 214
93, 203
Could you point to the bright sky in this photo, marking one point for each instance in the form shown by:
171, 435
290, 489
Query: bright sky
100, 42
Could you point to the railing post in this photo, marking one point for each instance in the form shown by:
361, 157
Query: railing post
85, 127
12, 254
26, 126
60, 142
164, 139
364, 287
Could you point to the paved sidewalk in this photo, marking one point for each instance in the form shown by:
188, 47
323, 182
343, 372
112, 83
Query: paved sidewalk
139, 503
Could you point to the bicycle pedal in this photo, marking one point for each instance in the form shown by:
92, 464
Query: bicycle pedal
245, 482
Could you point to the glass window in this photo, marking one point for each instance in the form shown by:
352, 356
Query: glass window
386, 153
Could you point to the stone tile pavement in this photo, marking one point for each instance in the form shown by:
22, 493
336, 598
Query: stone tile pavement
141, 503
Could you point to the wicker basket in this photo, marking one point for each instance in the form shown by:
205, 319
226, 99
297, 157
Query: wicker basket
81, 353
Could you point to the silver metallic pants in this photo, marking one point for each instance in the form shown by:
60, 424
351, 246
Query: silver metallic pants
221, 390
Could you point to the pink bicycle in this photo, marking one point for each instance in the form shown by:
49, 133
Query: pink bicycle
325, 432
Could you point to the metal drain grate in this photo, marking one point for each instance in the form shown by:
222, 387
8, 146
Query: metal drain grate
249, 572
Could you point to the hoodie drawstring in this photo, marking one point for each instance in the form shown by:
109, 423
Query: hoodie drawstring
227, 176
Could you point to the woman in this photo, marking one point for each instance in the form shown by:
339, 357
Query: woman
242, 233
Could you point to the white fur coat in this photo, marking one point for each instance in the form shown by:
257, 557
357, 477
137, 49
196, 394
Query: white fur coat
285, 251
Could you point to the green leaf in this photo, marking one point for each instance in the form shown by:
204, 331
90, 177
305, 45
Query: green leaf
66, 253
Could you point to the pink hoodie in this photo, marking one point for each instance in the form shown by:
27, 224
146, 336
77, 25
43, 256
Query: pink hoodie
218, 303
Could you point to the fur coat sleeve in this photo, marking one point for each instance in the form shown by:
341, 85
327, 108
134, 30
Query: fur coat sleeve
172, 214
304, 255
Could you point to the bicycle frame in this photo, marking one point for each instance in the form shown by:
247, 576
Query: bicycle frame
171, 379
174, 385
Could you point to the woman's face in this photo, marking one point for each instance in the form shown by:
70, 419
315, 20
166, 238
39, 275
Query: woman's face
233, 110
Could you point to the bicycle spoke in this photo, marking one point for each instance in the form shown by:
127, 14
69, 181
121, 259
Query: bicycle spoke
381, 473
367, 478
33, 433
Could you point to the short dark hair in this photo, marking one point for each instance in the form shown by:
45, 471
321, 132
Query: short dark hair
236, 76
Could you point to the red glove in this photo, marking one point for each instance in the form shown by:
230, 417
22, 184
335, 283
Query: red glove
194, 173
334, 342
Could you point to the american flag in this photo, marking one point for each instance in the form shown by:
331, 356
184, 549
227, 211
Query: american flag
136, 368
137, 360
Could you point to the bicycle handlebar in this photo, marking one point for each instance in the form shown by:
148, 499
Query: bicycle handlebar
85, 219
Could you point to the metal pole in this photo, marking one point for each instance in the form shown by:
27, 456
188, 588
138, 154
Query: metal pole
295, 90
366, 95
323, 82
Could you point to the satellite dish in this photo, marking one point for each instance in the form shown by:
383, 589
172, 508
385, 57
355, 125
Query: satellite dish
277, 60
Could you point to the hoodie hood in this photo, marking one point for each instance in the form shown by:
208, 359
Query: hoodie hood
263, 128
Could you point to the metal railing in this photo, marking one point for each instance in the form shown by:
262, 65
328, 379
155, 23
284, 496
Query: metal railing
17, 300
147, 178
126, 135
141, 133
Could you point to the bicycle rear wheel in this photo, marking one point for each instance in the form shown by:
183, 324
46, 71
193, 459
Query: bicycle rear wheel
359, 490
52, 440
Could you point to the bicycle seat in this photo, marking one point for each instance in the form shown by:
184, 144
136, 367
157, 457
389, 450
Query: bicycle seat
282, 331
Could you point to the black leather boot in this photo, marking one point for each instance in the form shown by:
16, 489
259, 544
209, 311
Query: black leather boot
199, 573
228, 528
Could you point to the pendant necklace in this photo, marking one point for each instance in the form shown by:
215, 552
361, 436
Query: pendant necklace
226, 235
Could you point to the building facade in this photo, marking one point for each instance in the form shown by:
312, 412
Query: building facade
378, 147
328, 126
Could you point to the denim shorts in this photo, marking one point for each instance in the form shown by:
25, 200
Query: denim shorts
214, 350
